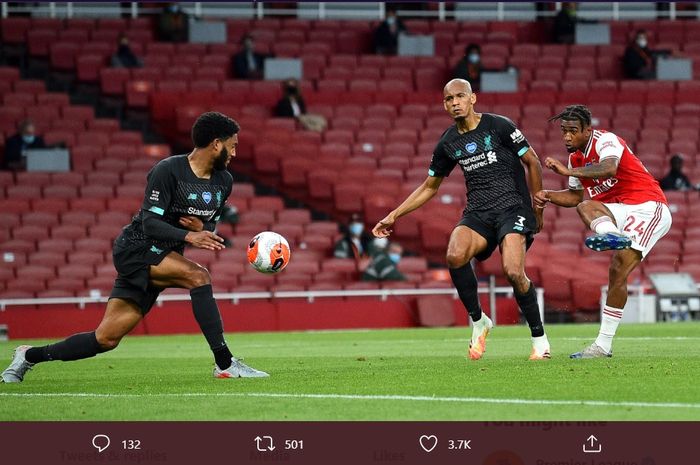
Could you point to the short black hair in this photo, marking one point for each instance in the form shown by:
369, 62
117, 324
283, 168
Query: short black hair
579, 113
212, 125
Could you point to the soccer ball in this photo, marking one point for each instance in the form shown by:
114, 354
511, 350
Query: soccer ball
268, 252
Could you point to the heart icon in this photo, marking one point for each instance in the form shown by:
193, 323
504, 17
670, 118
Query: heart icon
428, 443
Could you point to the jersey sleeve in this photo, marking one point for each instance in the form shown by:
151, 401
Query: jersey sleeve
441, 165
574, 182
512, 137
609, 146
160, 188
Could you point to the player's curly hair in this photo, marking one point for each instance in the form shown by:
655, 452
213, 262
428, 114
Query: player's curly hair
212, 125
579, 113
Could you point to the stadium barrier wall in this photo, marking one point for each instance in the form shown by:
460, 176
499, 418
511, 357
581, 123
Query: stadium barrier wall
289, 314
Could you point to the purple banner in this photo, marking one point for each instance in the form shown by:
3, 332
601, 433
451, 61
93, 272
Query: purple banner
351, 443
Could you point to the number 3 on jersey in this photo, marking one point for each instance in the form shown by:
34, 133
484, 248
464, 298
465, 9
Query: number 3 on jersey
633, 225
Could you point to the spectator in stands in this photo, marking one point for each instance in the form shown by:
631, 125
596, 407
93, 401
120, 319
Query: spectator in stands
125, 57
356, 242
383, 266
565, 24
386, 36
469, 67
675, 180
173, 24
26, 138
292, 105
248, 64
638, 59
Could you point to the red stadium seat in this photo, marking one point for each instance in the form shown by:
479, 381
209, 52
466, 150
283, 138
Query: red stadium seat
113, 80
47, 259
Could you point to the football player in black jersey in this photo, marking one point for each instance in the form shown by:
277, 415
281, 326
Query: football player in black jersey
492, 154
184, 198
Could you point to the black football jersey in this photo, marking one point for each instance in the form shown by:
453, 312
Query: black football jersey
489, 157
173, 191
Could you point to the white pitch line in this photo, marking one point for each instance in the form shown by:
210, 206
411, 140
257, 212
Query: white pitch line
484, 400
466, 339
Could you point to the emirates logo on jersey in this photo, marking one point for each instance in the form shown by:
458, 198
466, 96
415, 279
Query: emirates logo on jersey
602, 187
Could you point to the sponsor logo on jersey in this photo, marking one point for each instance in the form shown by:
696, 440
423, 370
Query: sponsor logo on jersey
191, 196
198, 212
219, 197
154, 196
206, 196
487, 143
478, 161
517, 136
471, 147
156, 250
602, 187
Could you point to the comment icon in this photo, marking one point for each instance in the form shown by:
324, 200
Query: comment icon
100, 442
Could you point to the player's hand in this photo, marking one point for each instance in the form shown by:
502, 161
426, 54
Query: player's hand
557, 166
205, 240
384, 227
191, 223
541, 199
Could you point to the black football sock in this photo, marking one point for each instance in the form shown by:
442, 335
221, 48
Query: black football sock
207, 315
467, 286
75, 347
528, 305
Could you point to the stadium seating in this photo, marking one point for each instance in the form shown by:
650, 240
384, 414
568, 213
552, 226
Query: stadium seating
383, 119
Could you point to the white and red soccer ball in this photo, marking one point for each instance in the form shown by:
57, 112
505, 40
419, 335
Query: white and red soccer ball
268, 252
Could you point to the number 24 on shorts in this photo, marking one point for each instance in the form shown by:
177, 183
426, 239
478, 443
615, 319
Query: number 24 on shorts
630, 225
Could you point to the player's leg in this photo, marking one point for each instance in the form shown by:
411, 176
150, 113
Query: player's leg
465, 244
644, 224
513, 249
120, 317
177, 271
601, 220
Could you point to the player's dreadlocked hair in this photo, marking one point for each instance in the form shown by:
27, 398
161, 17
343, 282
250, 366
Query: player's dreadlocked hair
574, 113
212, 125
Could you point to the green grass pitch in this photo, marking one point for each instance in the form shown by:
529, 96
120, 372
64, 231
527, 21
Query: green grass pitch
407, 374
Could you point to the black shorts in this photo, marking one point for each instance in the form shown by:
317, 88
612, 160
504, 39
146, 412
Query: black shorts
133, 262
493, 225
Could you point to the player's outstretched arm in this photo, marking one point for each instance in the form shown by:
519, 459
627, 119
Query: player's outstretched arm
417, 199
605, 169
565, 198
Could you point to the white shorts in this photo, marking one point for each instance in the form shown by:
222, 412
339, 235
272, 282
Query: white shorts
644, 223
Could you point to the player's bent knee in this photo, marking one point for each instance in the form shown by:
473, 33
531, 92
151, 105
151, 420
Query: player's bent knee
516, 277
198, 276
456, 259
584, 207
107, 343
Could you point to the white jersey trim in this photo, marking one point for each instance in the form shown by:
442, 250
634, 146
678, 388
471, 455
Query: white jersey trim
608, 146
574, 182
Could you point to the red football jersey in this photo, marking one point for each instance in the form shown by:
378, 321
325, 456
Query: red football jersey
631, 185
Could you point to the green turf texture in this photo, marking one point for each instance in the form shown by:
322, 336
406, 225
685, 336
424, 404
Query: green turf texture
169, 377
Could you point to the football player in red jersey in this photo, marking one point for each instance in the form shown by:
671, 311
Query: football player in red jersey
627, 210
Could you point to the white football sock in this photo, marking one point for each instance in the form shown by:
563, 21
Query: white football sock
604, 224
608, 326
540, 343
